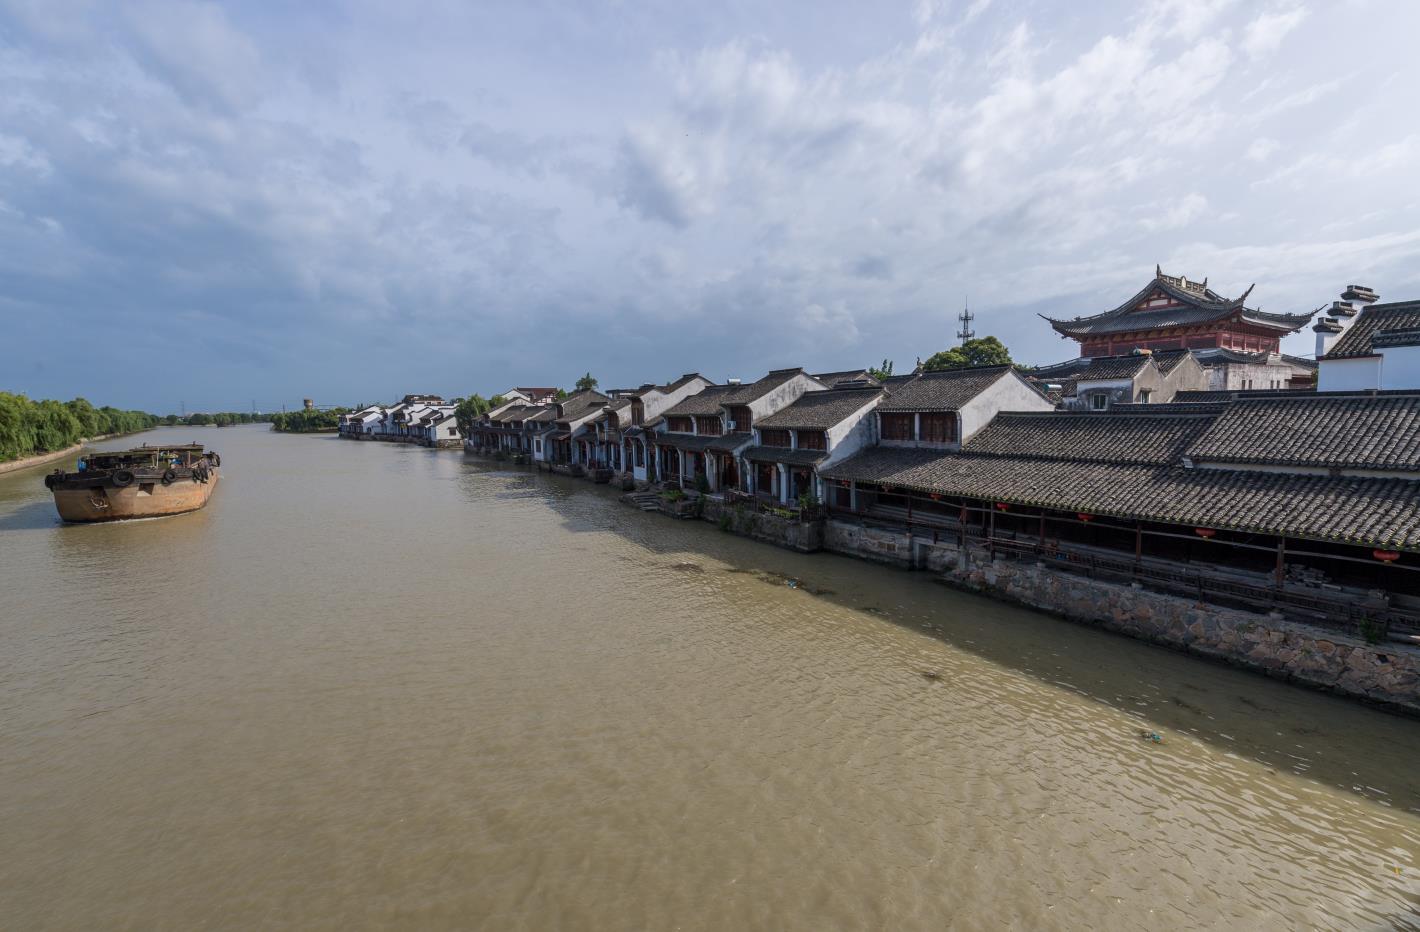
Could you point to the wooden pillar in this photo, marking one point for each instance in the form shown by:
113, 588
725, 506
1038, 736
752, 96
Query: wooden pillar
1138, 542
1281, 570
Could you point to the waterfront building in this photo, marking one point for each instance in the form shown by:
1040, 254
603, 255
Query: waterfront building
1238, 347
647, 404
940, 410
814, 432
572, 413
701, 438
360, 425
439, 428
1364, 345
1303, 503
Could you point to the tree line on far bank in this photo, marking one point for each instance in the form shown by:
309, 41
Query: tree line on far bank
307, 422
28, 427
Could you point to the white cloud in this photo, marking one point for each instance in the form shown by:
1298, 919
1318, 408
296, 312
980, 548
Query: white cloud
1177, 214
1264, 35
1261, 149
652, 196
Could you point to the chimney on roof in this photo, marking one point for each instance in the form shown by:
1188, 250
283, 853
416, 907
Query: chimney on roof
1337, 318
1359, 296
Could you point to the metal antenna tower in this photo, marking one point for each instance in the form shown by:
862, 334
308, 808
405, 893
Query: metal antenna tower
966, 317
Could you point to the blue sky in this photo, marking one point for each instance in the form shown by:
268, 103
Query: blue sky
212, 204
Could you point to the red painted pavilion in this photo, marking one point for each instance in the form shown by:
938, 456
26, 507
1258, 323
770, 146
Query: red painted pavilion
1175, 313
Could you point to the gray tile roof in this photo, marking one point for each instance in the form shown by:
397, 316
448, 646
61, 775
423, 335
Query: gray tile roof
728, 443
744, 394
821, 410
1369, 512
694, 442
1102, 368
705, 402
786, 456
1168, 360
516, 413
578, 405
1356, 341
1060, 370
1339, 432
851, 375
942, 391
1151, 437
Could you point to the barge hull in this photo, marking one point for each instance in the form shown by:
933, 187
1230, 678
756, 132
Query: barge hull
139, 500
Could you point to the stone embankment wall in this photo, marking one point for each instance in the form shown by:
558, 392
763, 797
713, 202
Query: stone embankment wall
1386, 673
41, 459
772, 529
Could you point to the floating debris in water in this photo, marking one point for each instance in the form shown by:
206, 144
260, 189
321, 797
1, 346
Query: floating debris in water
1153, 736
688, 567
929, 674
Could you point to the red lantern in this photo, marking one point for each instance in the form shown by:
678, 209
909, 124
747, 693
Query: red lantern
1002, 506
935, 497
1386, 556
1084, 517
1204, 532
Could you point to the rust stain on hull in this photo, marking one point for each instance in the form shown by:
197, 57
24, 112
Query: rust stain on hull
139, 500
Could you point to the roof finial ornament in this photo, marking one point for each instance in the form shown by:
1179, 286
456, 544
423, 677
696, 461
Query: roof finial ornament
1246, 293
1205, 281
1158, 270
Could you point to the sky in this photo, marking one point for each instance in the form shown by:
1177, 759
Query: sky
215, 206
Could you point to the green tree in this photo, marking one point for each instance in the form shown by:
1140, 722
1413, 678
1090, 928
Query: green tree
881, 372
561, 394
17, 431
586, 383
984, 351
469, 410
56, 427
87, 416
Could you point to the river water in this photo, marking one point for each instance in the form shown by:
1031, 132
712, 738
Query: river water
373, 685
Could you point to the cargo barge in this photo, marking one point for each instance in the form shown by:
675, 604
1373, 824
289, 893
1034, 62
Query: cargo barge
144, 482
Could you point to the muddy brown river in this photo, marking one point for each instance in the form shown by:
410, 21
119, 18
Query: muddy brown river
375, 686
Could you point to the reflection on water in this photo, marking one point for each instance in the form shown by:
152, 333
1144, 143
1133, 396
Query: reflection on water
372, 685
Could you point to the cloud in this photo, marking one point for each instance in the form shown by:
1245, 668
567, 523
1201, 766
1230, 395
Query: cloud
1260, 150
526, 195
194, 48
879, 267
1264, 35
1178, 214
